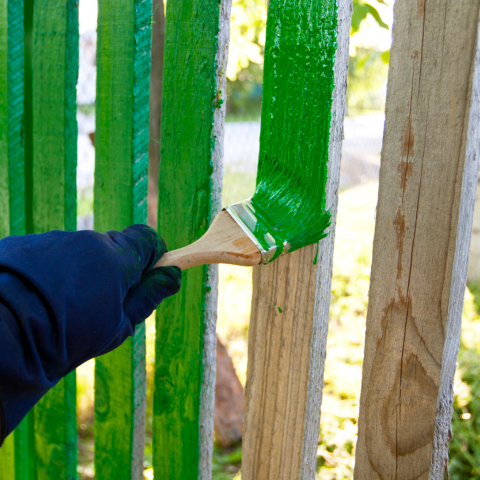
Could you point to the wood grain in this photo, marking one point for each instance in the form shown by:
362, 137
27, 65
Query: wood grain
189, 197
323, 287
52, 159
291, 296
420, 248
121, 182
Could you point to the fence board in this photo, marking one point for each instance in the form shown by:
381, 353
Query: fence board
189, 195
121, 182
16, 457
422, 234
54, 68
302, 126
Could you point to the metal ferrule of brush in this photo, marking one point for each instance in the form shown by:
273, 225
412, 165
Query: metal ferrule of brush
260, 232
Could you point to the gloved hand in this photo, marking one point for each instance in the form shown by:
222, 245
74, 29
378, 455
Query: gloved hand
66, 297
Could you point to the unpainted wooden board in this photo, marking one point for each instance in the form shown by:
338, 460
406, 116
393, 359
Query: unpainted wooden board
290, 302
121, 181
323, 288
417, 284
443, 420
54, 69
189, 196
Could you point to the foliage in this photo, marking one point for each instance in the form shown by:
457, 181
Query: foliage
247, 35
367, 67
464, 448
245, 62
360, 12
367, 75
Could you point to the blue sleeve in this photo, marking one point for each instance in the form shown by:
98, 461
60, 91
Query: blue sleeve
66, 297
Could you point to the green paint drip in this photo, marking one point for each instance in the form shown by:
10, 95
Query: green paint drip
296, 113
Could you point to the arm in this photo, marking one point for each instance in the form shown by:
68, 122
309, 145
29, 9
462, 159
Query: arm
66, 297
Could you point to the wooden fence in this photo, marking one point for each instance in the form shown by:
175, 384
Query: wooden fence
424, 216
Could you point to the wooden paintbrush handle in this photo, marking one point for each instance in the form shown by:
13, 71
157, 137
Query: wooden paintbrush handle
224, 242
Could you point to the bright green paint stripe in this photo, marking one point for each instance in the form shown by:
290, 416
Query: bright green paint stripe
54, 68
184, 210
121, 180
297, 90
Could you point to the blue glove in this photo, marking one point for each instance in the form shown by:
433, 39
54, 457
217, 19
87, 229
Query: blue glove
66, 297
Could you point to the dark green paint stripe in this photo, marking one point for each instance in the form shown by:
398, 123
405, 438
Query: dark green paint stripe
297, 90
185, 186
121, 176
16, 457
54, 69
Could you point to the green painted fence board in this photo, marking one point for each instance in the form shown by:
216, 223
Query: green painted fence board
12, 198
54, 69
186, 203
16, 457
121, 182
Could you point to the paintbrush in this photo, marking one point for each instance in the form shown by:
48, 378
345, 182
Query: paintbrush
282, 216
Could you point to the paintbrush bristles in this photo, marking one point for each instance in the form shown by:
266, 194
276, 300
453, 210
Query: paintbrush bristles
294, 210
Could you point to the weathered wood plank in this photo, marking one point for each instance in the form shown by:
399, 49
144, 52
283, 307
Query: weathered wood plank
54, 68
422, 234
121, 182
323, 287
189, 195
443, 419
301, 125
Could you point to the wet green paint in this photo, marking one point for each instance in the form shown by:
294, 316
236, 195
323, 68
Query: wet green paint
296, 112
54, 70
184, 214
121, 179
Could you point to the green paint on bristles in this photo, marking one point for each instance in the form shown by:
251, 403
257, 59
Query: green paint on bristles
291, 207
